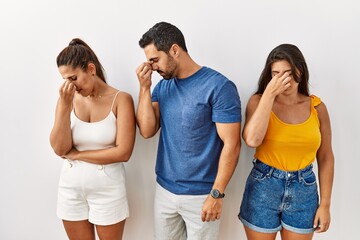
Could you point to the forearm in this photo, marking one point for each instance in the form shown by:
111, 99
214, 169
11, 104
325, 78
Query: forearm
256, 127
145, 115
61, 137
227, 164
326, 177
104, 156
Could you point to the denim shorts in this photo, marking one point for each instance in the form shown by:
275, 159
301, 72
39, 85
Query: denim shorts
274, 199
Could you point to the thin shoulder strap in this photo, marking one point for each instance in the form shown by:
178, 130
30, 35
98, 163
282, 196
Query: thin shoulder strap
112, 105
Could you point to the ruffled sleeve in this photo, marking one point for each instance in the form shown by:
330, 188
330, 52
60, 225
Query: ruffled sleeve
315, 100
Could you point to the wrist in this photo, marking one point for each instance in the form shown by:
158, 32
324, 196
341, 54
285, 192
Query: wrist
270, 96
215, 193
324, 203
144, 89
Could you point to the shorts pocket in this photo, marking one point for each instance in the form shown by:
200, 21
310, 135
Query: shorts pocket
114, 171
257, 174
309, 180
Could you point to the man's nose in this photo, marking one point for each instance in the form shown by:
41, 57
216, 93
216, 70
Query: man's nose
154, 66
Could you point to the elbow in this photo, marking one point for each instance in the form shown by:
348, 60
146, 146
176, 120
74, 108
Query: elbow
58, 147
252, 144
252, 141
147, 130
125, 157
147, 134
60, 151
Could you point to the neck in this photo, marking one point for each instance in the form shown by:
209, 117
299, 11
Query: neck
289, 99
187, 67
99, 89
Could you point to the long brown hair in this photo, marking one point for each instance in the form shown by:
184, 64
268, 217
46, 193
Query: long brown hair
79, 54
295, 58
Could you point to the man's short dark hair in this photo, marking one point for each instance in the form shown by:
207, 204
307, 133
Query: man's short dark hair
163, 35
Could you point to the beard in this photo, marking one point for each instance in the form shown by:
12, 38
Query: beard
170, 69
166, 75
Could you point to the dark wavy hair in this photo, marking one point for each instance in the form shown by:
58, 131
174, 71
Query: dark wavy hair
295, 58
163, 35
79, 54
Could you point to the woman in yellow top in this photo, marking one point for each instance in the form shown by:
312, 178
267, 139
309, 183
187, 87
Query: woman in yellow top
289, 129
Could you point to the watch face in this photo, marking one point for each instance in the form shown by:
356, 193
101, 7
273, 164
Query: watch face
215, 193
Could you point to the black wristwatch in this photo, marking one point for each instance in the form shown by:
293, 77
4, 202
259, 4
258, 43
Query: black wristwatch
216, 194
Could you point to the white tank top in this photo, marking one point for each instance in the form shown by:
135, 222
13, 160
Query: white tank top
94, 135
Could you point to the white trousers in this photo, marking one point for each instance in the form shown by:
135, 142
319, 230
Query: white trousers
178, 217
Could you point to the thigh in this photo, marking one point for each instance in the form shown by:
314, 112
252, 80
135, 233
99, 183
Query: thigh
71, 203
262, 201
253, 235
79, 230
298, 215
111, 232
190, 210
107, 198
288, 235
169, 225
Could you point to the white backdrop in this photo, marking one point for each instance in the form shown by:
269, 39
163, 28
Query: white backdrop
233, 37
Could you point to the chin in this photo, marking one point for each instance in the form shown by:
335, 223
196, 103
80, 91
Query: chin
83, 94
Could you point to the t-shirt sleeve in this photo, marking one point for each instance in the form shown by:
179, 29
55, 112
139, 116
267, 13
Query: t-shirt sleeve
155, 93
226, 104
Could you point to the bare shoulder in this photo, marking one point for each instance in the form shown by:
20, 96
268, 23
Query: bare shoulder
123, 97
322, 111
321, 107
254, 100
124, 100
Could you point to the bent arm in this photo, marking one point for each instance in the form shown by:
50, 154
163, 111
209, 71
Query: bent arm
148, 114
257, 119
259, 108
125, 137
60, 136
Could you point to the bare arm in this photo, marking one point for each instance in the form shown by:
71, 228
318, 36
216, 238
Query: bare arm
60, 137
230, 135
148, 113
125, 137
325, 160
259, 108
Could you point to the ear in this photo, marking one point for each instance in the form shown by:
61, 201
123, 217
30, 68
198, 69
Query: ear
91, 69
175, 50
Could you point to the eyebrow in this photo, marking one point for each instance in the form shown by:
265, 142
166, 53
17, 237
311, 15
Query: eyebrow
153, 59
70, 77
284, 71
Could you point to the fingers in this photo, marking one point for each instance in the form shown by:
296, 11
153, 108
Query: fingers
320, 226
143, 73
279, 83
209, 216
67, 91
144, 70
283, 78
68, 87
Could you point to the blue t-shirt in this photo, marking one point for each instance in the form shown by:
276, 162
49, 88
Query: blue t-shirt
189, 146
